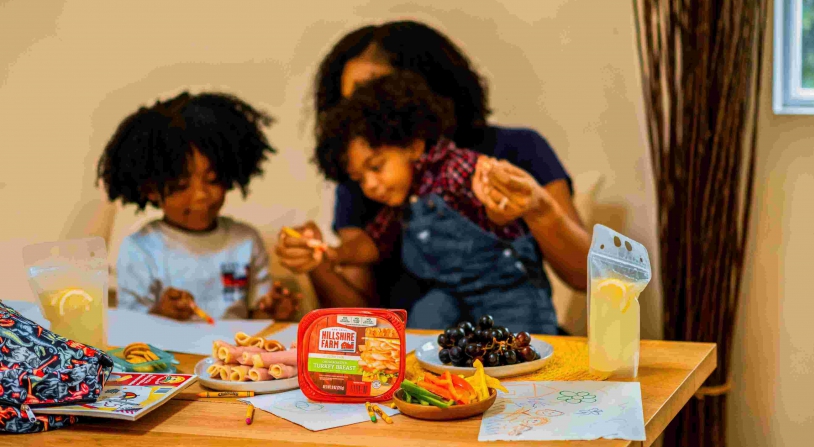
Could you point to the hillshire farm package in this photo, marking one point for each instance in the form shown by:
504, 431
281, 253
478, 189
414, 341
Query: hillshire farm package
351, 355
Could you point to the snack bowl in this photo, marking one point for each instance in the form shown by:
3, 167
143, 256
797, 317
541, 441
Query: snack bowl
433, 413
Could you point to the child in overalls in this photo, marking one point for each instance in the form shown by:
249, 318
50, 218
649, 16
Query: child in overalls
389, 136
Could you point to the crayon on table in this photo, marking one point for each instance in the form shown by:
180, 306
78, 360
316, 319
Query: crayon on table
381, 413
250, 415
227, 394
370, 412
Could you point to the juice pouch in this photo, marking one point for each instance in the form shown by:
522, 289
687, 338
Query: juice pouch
618, 271
70, 279
351, 354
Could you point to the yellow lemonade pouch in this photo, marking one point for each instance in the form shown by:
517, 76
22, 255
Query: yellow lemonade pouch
70, 279
618, 271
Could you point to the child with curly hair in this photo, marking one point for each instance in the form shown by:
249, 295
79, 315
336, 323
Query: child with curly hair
182, 156
392, 137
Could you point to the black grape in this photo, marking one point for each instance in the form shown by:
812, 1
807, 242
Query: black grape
443, 355
486, 322
522, 339
472, 350
510, 357
456, 354
454, 334
528, 353
467, 327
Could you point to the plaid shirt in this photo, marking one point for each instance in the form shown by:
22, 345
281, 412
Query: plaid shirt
447, 171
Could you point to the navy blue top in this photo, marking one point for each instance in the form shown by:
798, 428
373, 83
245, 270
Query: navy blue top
524, 148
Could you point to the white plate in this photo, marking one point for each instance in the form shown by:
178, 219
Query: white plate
427, 356
266, 386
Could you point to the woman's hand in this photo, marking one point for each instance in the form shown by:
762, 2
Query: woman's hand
508, 192
300, 255
280, 303
175, 304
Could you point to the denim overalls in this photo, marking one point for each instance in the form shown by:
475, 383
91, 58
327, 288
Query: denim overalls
473, 272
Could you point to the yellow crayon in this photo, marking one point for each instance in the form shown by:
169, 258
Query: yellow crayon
228, 394
382, 414
370, 412
313, 243
250, 414
292, 232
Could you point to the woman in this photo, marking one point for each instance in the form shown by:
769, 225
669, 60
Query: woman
538, 189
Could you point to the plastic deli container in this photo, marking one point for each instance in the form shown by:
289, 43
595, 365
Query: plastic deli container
351, 354
164, 364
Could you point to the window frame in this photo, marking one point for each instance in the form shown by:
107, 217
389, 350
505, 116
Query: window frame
789, 97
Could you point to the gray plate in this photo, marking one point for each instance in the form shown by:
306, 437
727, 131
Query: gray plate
267, 386
427, 356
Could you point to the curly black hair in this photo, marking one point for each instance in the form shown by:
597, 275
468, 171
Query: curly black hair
150, 149
418, 48
392, 110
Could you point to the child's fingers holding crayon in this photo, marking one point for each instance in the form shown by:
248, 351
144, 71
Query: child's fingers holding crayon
280, 303
285, 306
176, 304
299, 249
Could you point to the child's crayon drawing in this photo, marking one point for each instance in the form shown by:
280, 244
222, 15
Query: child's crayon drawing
577, 397
300, 405
543, 411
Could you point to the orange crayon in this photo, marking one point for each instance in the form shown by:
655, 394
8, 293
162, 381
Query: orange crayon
204, 316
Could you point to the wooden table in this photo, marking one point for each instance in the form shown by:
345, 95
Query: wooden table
669, 373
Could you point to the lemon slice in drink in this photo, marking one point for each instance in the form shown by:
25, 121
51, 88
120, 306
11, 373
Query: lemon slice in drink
75, 298
616, 291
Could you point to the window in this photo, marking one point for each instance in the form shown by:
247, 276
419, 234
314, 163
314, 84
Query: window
794, 57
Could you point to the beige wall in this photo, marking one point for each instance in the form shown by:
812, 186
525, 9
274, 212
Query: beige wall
773, 353
75, 69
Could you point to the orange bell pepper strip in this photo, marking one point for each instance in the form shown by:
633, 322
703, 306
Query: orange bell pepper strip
459, 397
435, 380
455, 395
461, 383
435, 389
457, 392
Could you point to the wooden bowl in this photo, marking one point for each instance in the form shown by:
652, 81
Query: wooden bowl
433, 413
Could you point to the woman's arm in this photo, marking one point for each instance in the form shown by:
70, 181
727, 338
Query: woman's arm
561, 236
356, 247
352, 286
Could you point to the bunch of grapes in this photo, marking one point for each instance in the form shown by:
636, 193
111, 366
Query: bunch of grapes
493, 345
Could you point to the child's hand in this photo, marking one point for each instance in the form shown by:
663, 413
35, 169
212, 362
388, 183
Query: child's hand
280, 303
175, 304
300, 255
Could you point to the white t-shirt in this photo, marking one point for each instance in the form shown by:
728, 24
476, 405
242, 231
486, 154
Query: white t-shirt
225, 270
